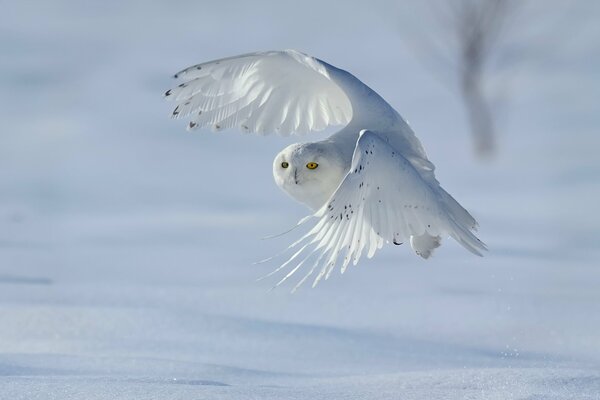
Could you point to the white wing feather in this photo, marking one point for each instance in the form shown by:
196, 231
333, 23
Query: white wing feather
383, 198
287, 92
392, 197
279, 92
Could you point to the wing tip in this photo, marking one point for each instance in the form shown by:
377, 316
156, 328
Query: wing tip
192, 126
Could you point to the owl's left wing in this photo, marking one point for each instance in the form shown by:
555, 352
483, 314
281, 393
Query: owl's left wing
382, 199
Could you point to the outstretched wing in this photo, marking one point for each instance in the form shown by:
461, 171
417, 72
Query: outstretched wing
288, 92
382, 199
280, 92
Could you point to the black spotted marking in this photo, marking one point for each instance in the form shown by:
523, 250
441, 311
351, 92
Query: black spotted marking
176, 111
192, 125
182, 85
198, 67
168, 93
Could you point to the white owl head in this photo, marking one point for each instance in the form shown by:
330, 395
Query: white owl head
308, 172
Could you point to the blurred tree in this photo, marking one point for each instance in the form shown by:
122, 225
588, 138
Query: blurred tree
470, 32
478, 24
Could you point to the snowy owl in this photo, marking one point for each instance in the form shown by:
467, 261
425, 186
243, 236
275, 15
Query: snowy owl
368, 184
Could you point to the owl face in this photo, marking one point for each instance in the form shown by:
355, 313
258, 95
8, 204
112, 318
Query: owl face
308, 172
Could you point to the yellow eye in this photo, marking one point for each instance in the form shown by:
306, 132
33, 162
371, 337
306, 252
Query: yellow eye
312, 165
284, 165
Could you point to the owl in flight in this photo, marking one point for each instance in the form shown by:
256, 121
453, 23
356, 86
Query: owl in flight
368, 184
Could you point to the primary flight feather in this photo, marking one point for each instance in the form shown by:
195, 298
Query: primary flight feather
368, 184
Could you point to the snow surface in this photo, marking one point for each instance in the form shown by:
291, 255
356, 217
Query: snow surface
126, 244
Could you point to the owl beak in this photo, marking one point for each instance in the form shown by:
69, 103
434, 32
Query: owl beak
296, 176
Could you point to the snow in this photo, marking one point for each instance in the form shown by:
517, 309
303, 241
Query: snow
126, 243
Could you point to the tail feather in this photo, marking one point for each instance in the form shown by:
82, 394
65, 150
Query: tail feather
458, 212
467, 239
461, 225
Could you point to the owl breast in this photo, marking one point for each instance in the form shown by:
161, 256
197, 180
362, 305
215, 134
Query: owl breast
312, 193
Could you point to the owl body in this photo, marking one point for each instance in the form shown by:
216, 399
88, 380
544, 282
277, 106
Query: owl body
368, 184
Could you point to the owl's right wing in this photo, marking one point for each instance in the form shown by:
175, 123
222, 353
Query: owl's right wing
288, 92
382, 199
283, 92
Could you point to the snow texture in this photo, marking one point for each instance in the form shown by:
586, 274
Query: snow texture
126, 258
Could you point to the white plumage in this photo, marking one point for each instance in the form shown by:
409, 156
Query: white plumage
283, 92
369, 183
